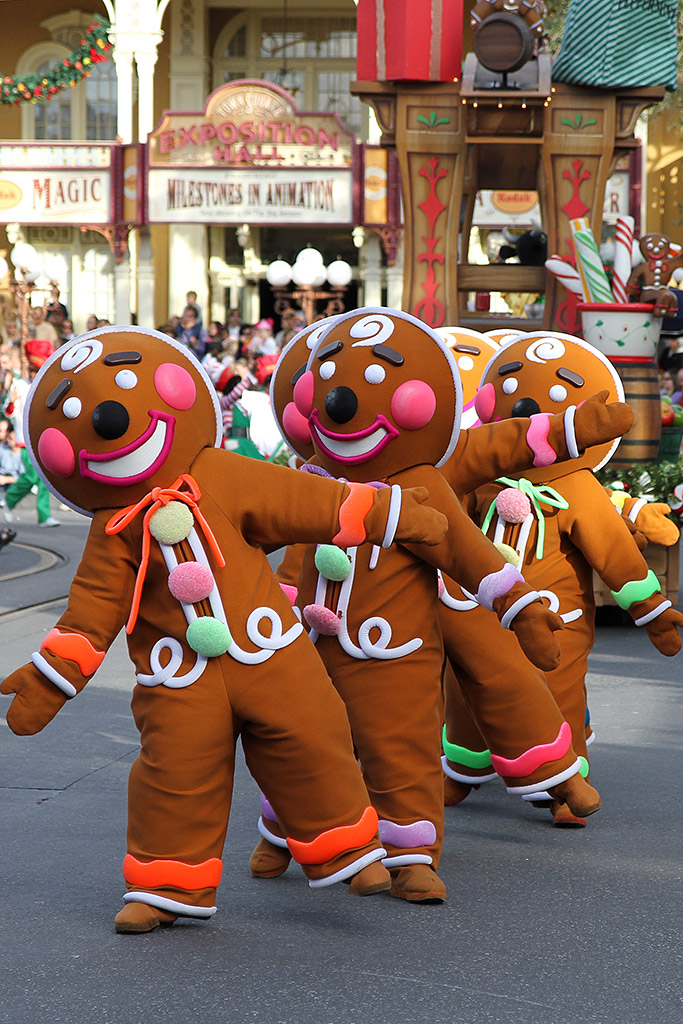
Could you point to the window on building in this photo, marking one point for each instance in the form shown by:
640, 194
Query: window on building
312, 56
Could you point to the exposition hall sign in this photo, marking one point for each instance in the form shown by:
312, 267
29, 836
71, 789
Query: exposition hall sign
250, 156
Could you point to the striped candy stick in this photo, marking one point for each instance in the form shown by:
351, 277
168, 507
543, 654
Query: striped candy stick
566, 274
623, 257
596, 287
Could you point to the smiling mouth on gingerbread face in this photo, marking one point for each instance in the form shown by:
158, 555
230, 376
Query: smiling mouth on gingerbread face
360, 446
137, 460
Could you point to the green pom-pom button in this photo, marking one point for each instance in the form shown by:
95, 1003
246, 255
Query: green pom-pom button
332, 563
208, 636
171, 523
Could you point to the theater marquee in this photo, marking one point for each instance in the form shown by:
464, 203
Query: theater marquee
250, 156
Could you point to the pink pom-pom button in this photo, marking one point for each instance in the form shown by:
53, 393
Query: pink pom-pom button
322, 620
190, 582
512, 505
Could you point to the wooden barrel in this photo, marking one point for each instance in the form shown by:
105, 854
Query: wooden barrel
503, 42
641, 389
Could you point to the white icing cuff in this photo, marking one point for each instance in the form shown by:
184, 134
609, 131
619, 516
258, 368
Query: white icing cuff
184, 909
570, 432
520, 604
393, 516
53, 675
270, 836
541, 795
636, 509
469, 780
350, 870
655, 613
545, 784
407, 858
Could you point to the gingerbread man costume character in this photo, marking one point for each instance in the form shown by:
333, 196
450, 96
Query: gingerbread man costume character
559, 525
648, 281
380, 401
123, 425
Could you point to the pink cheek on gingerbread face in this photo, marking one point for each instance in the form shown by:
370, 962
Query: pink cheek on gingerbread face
303, 393
55, 453
175, 386
485, 403
295, 425
413, 405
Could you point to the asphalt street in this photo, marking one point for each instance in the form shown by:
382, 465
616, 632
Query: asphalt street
541, 926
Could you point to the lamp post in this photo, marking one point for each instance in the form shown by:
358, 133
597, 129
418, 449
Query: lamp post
307, 275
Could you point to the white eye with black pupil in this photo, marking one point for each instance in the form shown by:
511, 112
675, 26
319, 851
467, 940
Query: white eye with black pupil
126, 379
510, 385
327, 370
72, 408
374, 373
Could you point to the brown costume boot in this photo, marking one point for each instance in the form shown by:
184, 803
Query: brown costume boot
563, 817
268, 860
417, 883
370, 879
139, 917
581, 798
455, 792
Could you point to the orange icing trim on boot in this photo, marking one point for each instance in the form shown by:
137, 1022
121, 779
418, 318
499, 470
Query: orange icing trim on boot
330, 844
352, 515
160, 496
159, 874
73, 647
531, 760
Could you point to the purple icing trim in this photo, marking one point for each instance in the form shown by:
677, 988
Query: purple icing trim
407, 837
497, 584
310, 467
266, 809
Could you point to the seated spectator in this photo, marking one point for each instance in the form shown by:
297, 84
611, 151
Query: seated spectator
233, 323
263, 343
39, 327
91, 322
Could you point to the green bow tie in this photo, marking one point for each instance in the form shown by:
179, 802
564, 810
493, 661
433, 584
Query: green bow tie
543, 493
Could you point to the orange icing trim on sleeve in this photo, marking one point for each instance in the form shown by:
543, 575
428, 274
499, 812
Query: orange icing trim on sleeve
159, 874
352, 513
73, 647
330, 844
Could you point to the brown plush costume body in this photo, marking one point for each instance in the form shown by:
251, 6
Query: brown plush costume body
380, 399
560, 523
122, 424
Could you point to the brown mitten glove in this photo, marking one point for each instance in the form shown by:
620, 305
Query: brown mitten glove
596, 421
36, 702
535, 627
663, 632
403, 515
653, 523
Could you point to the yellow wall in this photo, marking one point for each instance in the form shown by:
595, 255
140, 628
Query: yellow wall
664, 183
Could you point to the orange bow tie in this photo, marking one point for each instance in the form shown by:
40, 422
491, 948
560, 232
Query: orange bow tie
156, 499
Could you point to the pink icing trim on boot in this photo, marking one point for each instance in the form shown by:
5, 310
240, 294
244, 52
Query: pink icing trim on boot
531, 760
537, 439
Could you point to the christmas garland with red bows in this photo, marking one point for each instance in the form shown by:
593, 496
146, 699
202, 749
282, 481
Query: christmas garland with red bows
64, 74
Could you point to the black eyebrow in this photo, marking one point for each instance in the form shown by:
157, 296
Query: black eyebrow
470, 350
299, 373
510, 367
389, 354
571, 378
57, 394
330, 350
119, 358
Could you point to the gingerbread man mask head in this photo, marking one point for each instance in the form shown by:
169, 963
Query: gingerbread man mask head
542, 372
471, 352
381, 393
115, 413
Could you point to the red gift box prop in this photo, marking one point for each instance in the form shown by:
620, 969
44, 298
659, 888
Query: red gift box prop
409, 40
